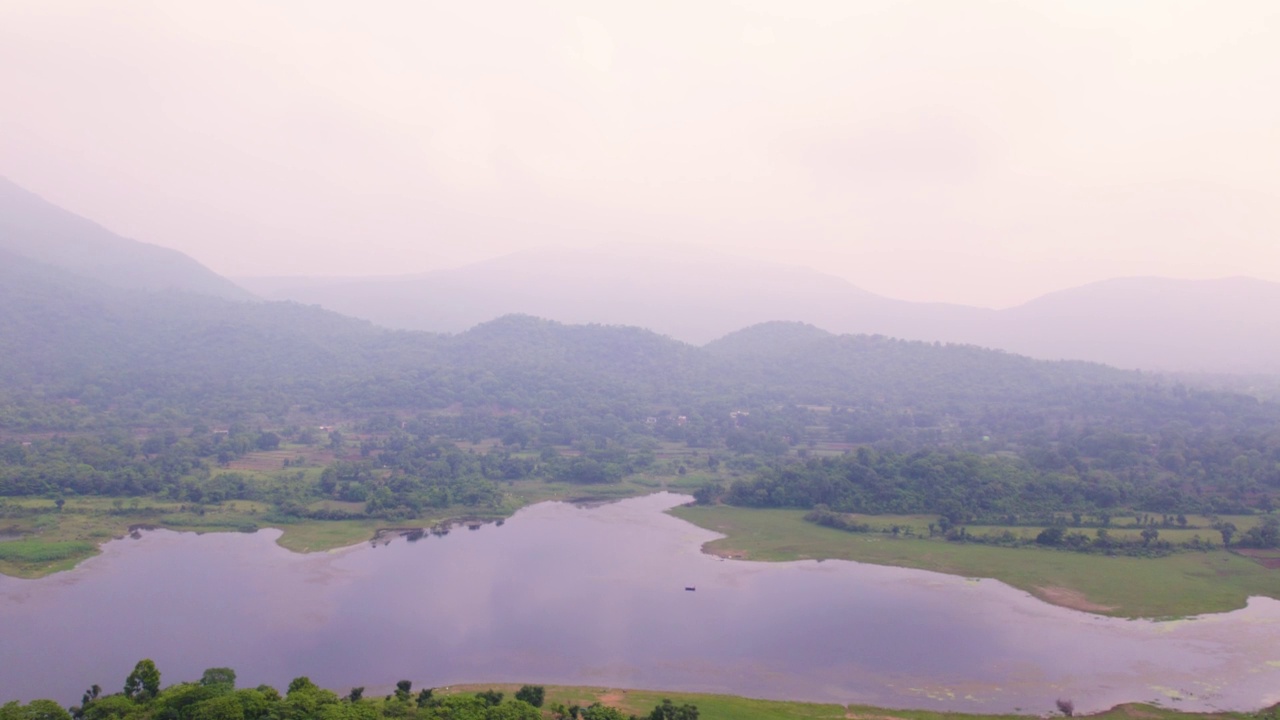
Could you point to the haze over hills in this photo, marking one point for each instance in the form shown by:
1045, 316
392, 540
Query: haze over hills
1224, 325
1150, 323
147, 357
697, 297
33, 228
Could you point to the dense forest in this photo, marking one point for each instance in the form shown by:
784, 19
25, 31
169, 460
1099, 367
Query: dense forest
216, 697
113, 392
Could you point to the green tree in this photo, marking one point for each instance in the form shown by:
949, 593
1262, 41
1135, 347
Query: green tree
532, 694
220, 676
425, 697
144, 682
34, 710
670, 711
1051, 536
223, 707
111, 707
596, 711
1228, 531
403, 688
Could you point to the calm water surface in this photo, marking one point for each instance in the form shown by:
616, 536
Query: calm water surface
596, 596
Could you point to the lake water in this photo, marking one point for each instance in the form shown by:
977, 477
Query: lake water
596, 596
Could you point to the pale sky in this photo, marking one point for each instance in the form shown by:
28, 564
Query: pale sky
953, 150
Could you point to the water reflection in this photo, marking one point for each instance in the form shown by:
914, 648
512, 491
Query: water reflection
570, 595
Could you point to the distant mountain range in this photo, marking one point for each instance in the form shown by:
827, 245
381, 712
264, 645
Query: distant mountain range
1217, 326
34, 228
1225, 325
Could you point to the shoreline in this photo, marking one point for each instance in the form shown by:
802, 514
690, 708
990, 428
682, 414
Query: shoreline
1202, 583
1177, 586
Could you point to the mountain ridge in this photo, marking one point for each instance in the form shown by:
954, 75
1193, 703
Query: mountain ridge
33, 228
1153, 323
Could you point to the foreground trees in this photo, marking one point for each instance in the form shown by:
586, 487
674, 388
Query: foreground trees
215, 697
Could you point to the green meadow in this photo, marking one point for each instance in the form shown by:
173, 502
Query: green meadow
1187, 583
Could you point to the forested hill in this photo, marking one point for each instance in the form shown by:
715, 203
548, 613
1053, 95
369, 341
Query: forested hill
75, 352
78, 356
34, 228
821, 367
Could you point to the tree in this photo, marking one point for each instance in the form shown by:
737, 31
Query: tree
356, 694
1066, 707
425, 697
670, 711
1051, 536
403, 688
490, 697
34, 710
91, 694
1149, 535
221, 676
144, 682
110, 707
532, 694
223, 707
596, 711
1228, 531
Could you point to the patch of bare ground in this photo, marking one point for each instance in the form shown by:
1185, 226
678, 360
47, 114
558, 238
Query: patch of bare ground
724, 552
613, 697
1269, 559
863, 716
1073, 599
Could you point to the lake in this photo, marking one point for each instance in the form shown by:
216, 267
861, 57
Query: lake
562, 594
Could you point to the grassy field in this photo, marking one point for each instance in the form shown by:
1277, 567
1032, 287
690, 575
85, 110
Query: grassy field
727, 707
1120, 529
54, 541
1179, 585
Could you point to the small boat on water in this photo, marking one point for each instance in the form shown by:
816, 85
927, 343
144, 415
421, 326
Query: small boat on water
690, 589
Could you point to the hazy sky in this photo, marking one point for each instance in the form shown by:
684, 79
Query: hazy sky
979, 152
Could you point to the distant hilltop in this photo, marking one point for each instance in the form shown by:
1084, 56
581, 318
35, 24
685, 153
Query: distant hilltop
1214, 326
1223, 325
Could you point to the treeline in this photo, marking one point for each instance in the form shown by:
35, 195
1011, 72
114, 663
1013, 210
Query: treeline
1064, 435
216, 697
1062, 536
396, 476
402, 475
116, 463
968, 488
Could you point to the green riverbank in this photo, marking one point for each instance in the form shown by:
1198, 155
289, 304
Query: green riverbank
1183, 584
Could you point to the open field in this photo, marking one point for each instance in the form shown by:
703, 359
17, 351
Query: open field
268, 460
1121, 528
1184, 584
86, 523
728, 707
